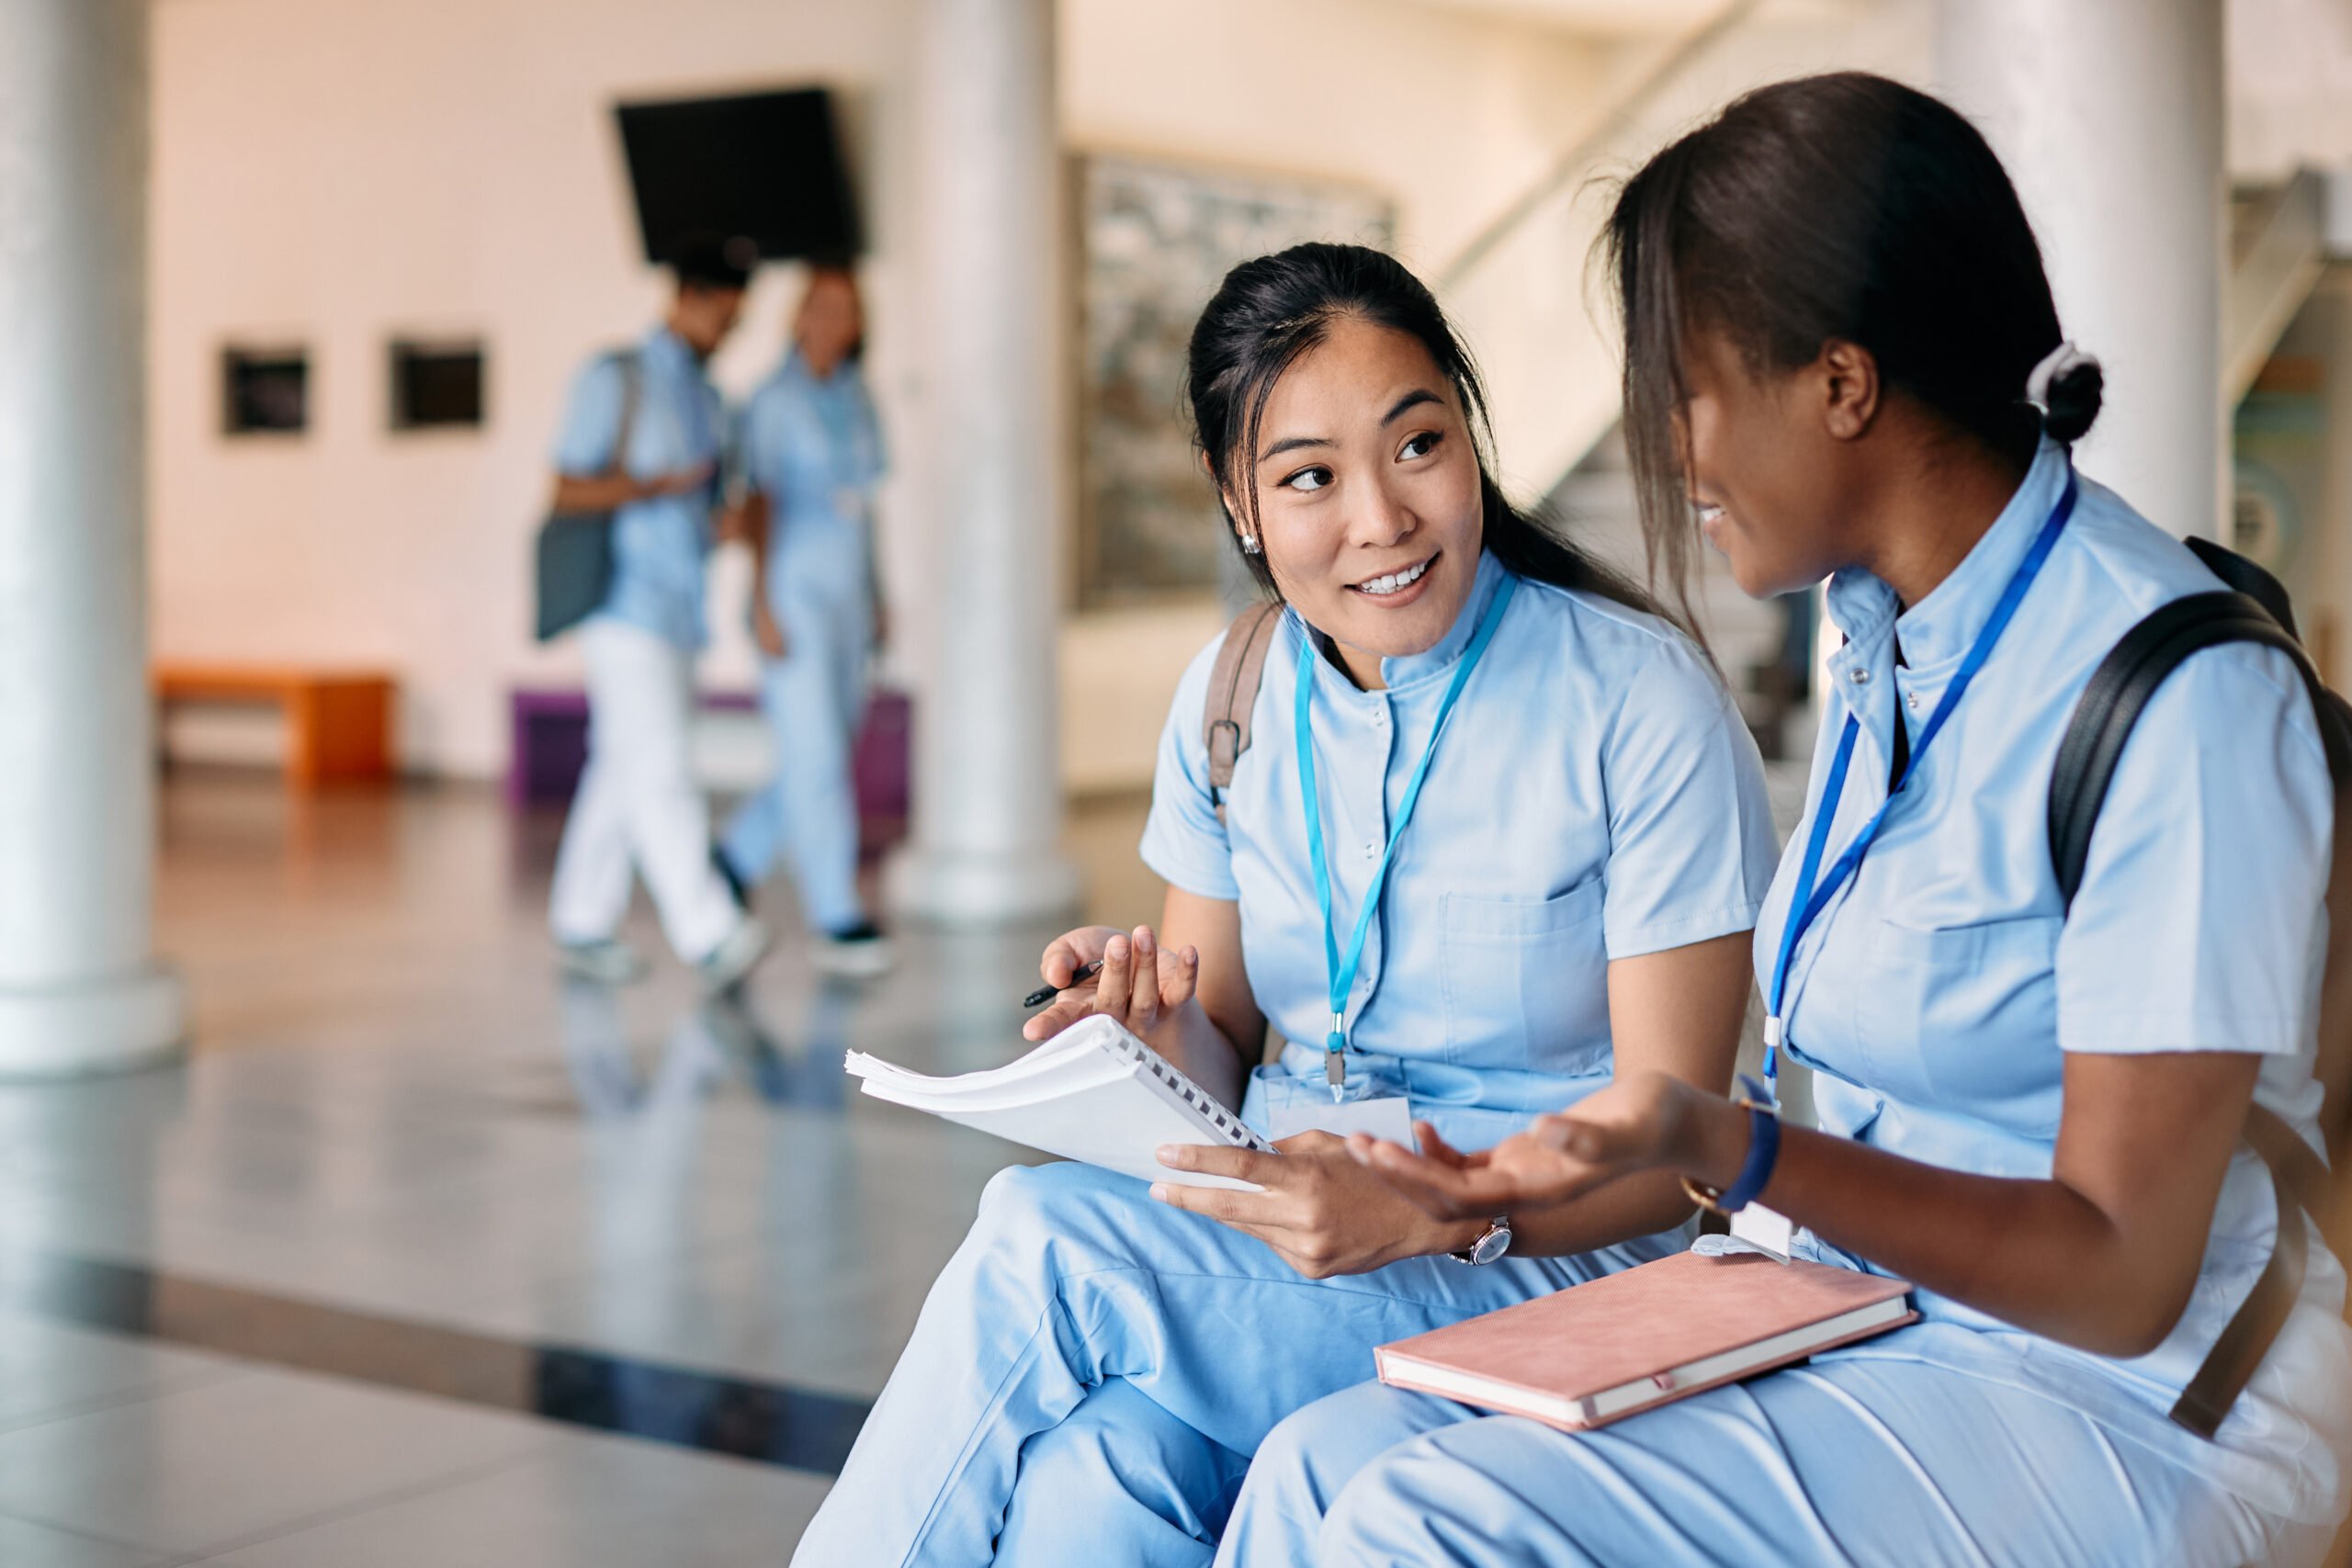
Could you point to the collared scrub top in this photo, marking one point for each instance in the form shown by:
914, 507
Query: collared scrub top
659, 546
1595, 797
813, 446
1936, 997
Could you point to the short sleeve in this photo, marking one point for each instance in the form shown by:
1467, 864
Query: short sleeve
1690, 841
591, 420
2200, 924
1183, 841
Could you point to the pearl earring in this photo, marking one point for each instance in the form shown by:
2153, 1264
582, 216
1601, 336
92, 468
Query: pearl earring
1249, 544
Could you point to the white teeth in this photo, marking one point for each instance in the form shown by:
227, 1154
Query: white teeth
1380, 587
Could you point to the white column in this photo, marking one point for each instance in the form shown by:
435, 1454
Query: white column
988, 805
79, 991
2109, 114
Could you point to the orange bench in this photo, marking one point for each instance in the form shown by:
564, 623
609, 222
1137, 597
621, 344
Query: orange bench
339, 723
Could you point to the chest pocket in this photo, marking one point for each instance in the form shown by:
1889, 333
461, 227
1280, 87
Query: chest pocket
1526, 980
1966, 1017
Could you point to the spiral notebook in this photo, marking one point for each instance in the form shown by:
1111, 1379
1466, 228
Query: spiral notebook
1093, 1092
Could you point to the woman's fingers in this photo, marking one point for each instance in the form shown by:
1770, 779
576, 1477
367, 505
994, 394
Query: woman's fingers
1450, 1192
1217, 1159
1112, 987
1180, 975
1143, 996
1064, 1010
1071, 952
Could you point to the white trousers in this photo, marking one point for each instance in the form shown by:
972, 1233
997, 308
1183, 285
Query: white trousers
637, 808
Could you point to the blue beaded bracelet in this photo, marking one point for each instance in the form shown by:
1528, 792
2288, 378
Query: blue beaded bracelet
1763, 1152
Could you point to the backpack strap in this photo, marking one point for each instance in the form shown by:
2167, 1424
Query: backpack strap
625, 361
2118, 691
1234, 680
2121, 689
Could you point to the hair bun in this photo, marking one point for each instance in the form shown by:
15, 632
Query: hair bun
2066, 389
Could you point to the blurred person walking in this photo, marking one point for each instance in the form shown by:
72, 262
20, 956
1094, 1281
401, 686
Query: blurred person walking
810, 450
640, 439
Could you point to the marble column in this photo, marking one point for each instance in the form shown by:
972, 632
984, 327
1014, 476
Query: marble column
988, 806
2109, 116
80, 988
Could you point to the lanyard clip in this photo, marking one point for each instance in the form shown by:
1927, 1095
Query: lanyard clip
1335, 1060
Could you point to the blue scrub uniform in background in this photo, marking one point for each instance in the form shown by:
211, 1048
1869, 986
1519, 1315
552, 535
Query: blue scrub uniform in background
1935, 1000
637, 807
1093, 1370
813, 447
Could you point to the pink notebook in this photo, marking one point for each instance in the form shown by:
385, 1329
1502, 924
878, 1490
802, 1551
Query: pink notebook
1596, 1352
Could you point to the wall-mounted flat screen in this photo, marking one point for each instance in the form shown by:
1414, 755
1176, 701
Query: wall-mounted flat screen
436, 386
264, 391
764, 165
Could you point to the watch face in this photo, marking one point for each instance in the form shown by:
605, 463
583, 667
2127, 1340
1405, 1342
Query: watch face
1491, 1245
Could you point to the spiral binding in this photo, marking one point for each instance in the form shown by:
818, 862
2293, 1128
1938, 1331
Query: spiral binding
1229, 1126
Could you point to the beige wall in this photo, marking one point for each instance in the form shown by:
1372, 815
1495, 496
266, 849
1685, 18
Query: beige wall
336, 172
339, 172
1451, 113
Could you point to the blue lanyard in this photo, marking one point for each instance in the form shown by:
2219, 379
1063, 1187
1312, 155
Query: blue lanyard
1342, 966
1807, 903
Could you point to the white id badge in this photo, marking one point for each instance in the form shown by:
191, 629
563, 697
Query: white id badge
1388, 1116
1766, 1229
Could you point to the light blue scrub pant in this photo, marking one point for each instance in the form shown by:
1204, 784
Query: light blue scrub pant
1865, 1458
1093, 1370
814, 699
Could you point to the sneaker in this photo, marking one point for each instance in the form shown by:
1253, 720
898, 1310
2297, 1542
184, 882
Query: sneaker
610, 962
859, 949
735, 956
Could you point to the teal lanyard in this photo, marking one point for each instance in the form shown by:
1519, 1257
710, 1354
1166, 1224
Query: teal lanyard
1342, 966
1807, 901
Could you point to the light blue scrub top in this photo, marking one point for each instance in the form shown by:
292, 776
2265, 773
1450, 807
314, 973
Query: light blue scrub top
659, 546
1936, 995
813, 446
1595, 797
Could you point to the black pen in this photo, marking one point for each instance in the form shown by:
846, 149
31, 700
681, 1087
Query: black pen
1045, 994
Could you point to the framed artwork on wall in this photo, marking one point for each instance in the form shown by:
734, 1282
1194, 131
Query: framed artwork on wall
1154, 240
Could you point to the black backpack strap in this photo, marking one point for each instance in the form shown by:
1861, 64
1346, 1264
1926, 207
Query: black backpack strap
2230, 1365
2118, 691
2248, 577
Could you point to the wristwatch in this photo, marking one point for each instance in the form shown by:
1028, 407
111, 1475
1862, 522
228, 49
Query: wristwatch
1492, 1243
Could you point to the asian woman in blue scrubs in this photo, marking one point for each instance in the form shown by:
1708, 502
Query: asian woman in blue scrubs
1538, 827
1844, 358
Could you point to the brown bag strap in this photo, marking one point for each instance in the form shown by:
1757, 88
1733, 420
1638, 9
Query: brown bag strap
2299, 1181
1234, 680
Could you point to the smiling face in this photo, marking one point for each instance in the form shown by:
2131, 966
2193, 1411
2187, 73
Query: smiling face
1774, 460
1367, 495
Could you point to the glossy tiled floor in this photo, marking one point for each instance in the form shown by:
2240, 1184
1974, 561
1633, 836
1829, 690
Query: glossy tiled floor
377, 1276
394, 1109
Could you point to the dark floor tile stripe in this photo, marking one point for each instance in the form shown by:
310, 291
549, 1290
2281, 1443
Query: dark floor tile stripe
773, 1422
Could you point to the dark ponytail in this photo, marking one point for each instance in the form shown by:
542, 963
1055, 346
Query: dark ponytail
1846, 206
1271, 310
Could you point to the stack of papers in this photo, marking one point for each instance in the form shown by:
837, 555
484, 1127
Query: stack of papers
1094, 1092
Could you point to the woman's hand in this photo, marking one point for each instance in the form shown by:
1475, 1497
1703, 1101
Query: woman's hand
1142, 985
766, 630
1323, 1212
1642, 1121
678, 482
